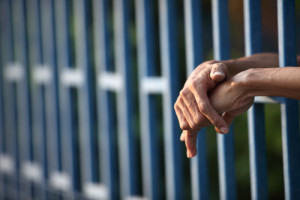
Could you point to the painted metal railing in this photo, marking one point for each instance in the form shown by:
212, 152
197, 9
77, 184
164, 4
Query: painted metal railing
67, 101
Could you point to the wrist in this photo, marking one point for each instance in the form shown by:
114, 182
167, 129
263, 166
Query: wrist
232, 67
254, 81
247, 81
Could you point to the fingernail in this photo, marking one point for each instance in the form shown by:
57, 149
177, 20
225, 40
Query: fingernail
187, 154
218, 73
224, 130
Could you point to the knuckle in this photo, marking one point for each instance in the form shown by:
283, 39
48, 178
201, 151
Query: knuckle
193, 85
184, 126
184, 92
175, 106
204, 108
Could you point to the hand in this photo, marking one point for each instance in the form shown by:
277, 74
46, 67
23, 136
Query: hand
193, 107
193, 104
230, 99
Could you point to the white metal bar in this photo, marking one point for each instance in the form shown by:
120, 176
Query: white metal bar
110, 81
13, 72
157, 85
60, 181
32, 171
72, 77
42, 74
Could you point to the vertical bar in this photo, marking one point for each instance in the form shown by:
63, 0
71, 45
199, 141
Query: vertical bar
289, 109
194, 55
167, 25
225, 142
109, 168
125, 101
86, 126
146, 60
257, 148
67, 136
51, 96
10, 101
23, 94
2, 130
256, 121
38, 96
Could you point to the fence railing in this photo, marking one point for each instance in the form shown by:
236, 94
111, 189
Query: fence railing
73, 107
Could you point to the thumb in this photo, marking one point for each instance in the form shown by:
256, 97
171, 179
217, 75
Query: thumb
218, 72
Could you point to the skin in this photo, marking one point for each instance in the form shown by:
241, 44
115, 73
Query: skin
230, 93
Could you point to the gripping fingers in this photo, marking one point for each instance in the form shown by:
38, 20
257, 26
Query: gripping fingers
191, 105
182, 121
188, 116
208, 111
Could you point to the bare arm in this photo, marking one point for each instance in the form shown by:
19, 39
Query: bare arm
284, 82
193, 107
259, 60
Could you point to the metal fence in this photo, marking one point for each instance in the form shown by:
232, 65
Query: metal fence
69, 103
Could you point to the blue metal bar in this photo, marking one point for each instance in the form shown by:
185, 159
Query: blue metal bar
107, 144
69, 157
225, 142
10, 105
23, 89
252, 15
194, 54
146, 58
167, 21
257, 141
220, 29
2, 67
86, 108
51, 96
289, 109
257, 148
2, 130
125, 100
199, 171
193, 34
35, 51
7, 49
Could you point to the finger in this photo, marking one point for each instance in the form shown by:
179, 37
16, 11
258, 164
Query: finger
191, 104
191, 143
187, 115
207, 110
228, 119
218, 72
182, 136
182, 121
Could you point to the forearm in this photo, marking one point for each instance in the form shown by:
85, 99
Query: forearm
261, 60
284, 82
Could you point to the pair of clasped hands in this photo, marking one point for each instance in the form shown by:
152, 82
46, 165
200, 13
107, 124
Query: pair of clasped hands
216, 92
209, 97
